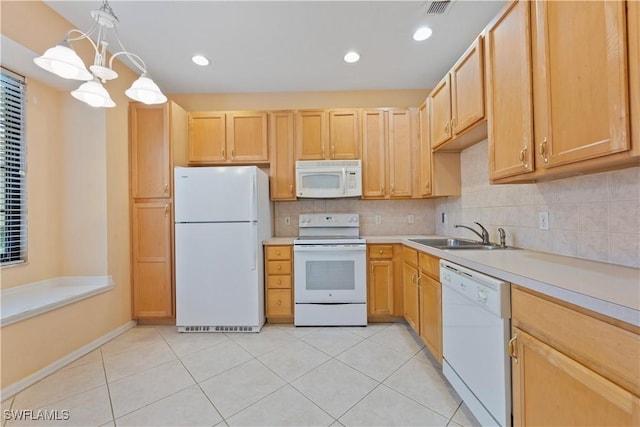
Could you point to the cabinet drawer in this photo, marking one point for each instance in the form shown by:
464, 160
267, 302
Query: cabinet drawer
278, 267
410, 255
279, 303
430, 265
380, 251
278, 252
609, 350
279, 281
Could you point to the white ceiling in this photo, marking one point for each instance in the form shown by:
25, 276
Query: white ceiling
276, 46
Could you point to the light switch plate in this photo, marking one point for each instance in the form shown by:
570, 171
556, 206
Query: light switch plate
411, 219
378, 219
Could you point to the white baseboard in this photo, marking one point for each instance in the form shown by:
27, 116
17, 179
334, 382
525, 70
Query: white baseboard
15, 388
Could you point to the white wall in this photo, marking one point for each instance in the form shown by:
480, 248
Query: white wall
593, 216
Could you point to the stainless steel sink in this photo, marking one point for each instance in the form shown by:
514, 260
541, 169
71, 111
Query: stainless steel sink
455, 244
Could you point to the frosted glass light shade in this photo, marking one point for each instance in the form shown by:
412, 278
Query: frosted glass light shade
64, 62
94, 94
146, 91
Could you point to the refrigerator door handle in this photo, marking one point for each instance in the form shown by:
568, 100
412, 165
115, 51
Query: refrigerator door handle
253, 201
253, 243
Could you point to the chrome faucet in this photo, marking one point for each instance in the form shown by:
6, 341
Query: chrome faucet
484, 236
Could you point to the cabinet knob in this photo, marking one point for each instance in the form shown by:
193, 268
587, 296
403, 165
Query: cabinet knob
233, 153
166, 189
380, 251
279, 267
166, 210
333, 151
279, 281
277, 252
279, 302
454, 123
426, 184
446, 128
222, 152
291, 189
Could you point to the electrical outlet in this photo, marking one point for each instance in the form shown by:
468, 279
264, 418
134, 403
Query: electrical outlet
287, 220
378, 219
543, 220
411, 219
444, 218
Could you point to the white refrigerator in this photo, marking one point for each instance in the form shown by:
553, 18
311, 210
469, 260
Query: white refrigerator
222, 215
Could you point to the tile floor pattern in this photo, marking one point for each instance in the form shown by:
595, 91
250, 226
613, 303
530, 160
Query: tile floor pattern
379, 375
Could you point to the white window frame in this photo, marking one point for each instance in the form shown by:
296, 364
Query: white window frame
13, 164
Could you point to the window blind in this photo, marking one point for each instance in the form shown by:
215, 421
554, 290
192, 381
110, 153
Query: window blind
13, 195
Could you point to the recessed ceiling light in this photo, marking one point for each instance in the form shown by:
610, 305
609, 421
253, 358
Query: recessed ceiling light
200, 60
352, 57
422, 33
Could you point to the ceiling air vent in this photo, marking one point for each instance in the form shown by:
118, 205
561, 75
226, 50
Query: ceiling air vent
438, 7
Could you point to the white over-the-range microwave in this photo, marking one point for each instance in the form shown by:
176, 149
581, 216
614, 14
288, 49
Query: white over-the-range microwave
319, 179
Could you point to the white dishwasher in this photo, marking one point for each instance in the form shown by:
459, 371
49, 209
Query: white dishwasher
476, 313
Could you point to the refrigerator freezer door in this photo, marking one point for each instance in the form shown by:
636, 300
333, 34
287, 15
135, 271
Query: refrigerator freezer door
217, 283
215, 194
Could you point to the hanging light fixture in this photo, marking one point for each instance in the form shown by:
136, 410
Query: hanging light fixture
63, 61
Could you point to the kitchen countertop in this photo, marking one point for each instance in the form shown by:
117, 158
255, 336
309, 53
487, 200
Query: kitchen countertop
608, 289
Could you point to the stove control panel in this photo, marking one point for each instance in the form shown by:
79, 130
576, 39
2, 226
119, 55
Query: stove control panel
329, 220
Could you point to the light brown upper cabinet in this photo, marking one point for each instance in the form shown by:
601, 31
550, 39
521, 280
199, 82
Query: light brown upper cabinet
231, 137
388, 138
282, 140
439, 172
456, 104
150, 151
327, 134
573, 116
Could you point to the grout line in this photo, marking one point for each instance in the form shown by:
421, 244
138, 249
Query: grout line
104, 372
194, 380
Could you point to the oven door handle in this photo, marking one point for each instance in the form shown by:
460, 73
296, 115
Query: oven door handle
311, 248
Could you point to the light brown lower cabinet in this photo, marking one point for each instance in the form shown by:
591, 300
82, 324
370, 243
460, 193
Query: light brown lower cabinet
423, 298
279, 284
384, 282
571, 368
151, 252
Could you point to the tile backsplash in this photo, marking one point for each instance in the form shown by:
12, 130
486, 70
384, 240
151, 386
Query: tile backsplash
394, 215
593, 216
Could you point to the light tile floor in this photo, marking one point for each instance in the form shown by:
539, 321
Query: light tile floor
379, 375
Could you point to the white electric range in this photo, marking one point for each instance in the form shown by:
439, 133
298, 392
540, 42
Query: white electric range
330, 271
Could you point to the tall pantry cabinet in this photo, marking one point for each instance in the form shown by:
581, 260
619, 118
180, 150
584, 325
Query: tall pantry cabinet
152, 131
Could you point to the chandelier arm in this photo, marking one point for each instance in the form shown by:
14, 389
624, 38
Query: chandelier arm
131, 56
83, 36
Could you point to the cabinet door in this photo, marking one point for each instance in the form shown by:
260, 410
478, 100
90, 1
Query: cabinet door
247, 139
467, 88
580, 80
550, 388
380, 289
431, 315
207, 137
283, 169
400, 159
150, 151
311, 135
440, 112
411, 297
344, 134
152, 273
633, 20
424, 185
509, 93
373, 153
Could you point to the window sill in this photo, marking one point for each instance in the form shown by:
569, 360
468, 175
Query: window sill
26, 301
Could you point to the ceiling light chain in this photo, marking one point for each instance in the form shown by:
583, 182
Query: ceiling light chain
63, 61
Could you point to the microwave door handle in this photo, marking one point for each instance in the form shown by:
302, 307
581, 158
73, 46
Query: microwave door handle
344, 180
